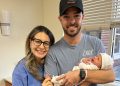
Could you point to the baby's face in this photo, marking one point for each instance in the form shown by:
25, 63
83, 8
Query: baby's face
97, 60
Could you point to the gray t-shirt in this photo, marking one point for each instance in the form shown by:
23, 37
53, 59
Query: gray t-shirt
62, 57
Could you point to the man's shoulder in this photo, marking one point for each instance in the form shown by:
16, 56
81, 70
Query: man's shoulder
57, 44
56, 47
91, 38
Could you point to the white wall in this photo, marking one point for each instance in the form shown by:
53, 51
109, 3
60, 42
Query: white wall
51, 13
25, 14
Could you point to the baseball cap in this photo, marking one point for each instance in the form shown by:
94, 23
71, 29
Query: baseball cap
65, 4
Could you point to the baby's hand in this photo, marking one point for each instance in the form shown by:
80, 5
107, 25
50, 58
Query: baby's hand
86, 60
57, 80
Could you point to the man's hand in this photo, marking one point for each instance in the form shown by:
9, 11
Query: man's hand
71, 78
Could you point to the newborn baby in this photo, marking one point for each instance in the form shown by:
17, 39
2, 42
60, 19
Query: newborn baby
101, 61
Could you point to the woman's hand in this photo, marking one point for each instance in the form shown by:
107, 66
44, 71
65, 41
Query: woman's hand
47, 82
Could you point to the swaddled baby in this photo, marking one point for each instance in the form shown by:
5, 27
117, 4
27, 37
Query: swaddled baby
101, 61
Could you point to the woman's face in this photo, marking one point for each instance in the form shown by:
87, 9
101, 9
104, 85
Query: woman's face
40, 45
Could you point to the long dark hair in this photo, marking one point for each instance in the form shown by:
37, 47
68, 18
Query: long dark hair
31, 63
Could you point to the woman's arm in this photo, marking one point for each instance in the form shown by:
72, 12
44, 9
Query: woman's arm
17, 80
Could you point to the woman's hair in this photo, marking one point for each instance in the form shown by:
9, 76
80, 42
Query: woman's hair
31, 63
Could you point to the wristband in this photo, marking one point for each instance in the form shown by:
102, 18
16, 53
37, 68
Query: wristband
82, 74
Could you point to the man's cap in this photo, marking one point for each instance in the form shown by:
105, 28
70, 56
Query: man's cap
65, 4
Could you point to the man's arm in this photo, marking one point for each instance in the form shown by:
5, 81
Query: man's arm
93, 76
100, 76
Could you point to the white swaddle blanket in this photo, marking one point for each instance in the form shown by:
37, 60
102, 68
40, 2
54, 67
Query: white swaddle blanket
56, 83
107, 62
80, 66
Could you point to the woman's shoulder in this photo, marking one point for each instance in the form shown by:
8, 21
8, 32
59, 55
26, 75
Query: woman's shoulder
21, 63
20, 67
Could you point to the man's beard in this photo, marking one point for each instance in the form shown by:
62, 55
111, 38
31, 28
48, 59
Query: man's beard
72, 35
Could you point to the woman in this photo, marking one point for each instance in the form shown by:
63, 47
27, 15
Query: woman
30, 70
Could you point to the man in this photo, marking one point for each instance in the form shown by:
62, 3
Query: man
75, 45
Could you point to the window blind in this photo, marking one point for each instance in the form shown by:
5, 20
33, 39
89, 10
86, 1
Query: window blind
98, 13
116, 11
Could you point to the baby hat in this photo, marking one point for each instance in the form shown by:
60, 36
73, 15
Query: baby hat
107, 61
